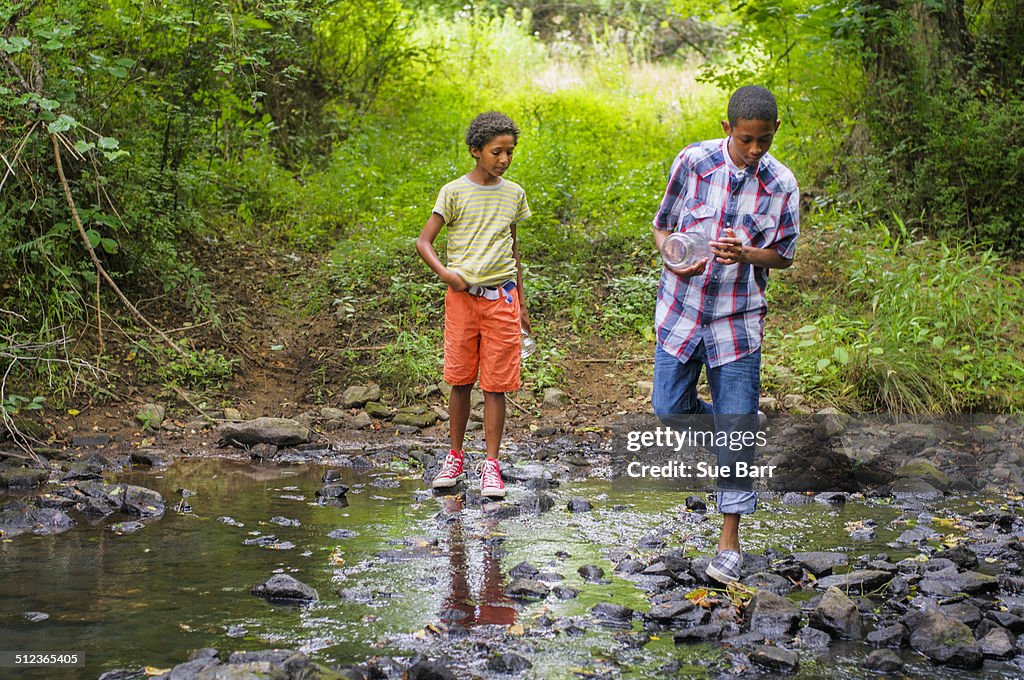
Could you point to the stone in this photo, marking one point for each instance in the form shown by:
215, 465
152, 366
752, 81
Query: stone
23, 477
999, 643
888, 636
376, 409
524, 588
883, 661
274, 431
143, 502
426, 669
417, 420
329, 413
820, 563
946, 641
555, 398
591, 572
579, 504
922, 469
857, 582
232, 414
284, 588
358, 396
913, 488
775, 658
837, 615
151, 416
710, 631
508, 663
772, 615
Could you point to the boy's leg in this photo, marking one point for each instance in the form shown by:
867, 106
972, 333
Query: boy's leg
494, 422
675, 388
735, 391
458, 414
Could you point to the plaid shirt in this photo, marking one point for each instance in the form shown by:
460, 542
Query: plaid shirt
725, 306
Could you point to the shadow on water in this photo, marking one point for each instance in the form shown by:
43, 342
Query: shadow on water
395, 570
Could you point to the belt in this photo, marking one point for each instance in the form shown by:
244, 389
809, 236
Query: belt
494, 292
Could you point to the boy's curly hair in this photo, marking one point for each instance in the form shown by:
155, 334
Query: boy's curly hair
752, 102
487, 126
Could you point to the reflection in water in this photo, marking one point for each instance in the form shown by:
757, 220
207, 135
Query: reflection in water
490, 605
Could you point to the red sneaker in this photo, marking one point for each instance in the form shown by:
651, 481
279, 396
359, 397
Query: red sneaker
450, 471
490, 479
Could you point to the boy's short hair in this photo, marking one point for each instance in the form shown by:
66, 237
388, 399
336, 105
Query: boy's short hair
487, 126
752, 102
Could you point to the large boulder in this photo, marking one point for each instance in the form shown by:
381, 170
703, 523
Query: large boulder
945, 640
275, 431
19, 518
837, 615
772, 615
285, 588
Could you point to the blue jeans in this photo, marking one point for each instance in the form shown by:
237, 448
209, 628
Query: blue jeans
735, 391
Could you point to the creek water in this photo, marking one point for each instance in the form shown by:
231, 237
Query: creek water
409, 562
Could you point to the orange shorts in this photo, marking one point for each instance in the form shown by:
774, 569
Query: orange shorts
482, 337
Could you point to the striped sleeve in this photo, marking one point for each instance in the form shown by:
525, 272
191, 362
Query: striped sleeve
443, 204
789, 226
522, 210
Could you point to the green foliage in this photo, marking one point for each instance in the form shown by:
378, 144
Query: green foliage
410, 362
916, 326
201, 370
629, 308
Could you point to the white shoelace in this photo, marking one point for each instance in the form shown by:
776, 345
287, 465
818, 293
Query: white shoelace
491, 474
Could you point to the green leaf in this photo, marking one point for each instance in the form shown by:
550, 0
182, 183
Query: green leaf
938, 342
94, 237
108, 143
114, 155
822, 364
109, 245
83, 147
807, 329
62, 124
959, 375
47, 104
118, 71
127, 62
841, 355
15, 44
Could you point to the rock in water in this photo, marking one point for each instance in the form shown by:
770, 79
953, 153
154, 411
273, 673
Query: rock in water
275, 431
284, 588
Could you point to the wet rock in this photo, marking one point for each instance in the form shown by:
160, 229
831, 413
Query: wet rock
426, 669
340, 534
285, 522
275, 657
695, 504
90, 440
922, 469
190, 670
962, 556
830, 498
999, 643
711, 631
591, 573
913, 488
204, 653
143, 502
946, 641
888, 636
275, 431
524, 570
508, 663
122, 528
775, 658
358, 396
796, 498
564, 592
812, 638
22, 477
284, 588
156, 458
35, 617
579, 504
665, 612
236, 631
151, 416
820, 563
82, 471
772, 583
949, 581
837, 615
332, 492
536, 503
883, 661
610, 613
19, 518
964, 612
857, 582
773, 616
229, 521
524, 588
651, 541
1007, 620
125, 674
918, 534
630, 566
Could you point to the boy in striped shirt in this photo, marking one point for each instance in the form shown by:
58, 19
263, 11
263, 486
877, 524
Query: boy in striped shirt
485, 308
710, 315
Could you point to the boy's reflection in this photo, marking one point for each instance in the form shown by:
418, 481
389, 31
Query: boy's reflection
491, 605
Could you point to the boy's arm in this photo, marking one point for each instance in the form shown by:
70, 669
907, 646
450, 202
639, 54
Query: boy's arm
730, 250
425, 248
524, 316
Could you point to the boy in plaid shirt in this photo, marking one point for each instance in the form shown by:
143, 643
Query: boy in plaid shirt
711, 315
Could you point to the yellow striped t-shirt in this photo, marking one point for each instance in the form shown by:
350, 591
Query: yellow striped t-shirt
478, 219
